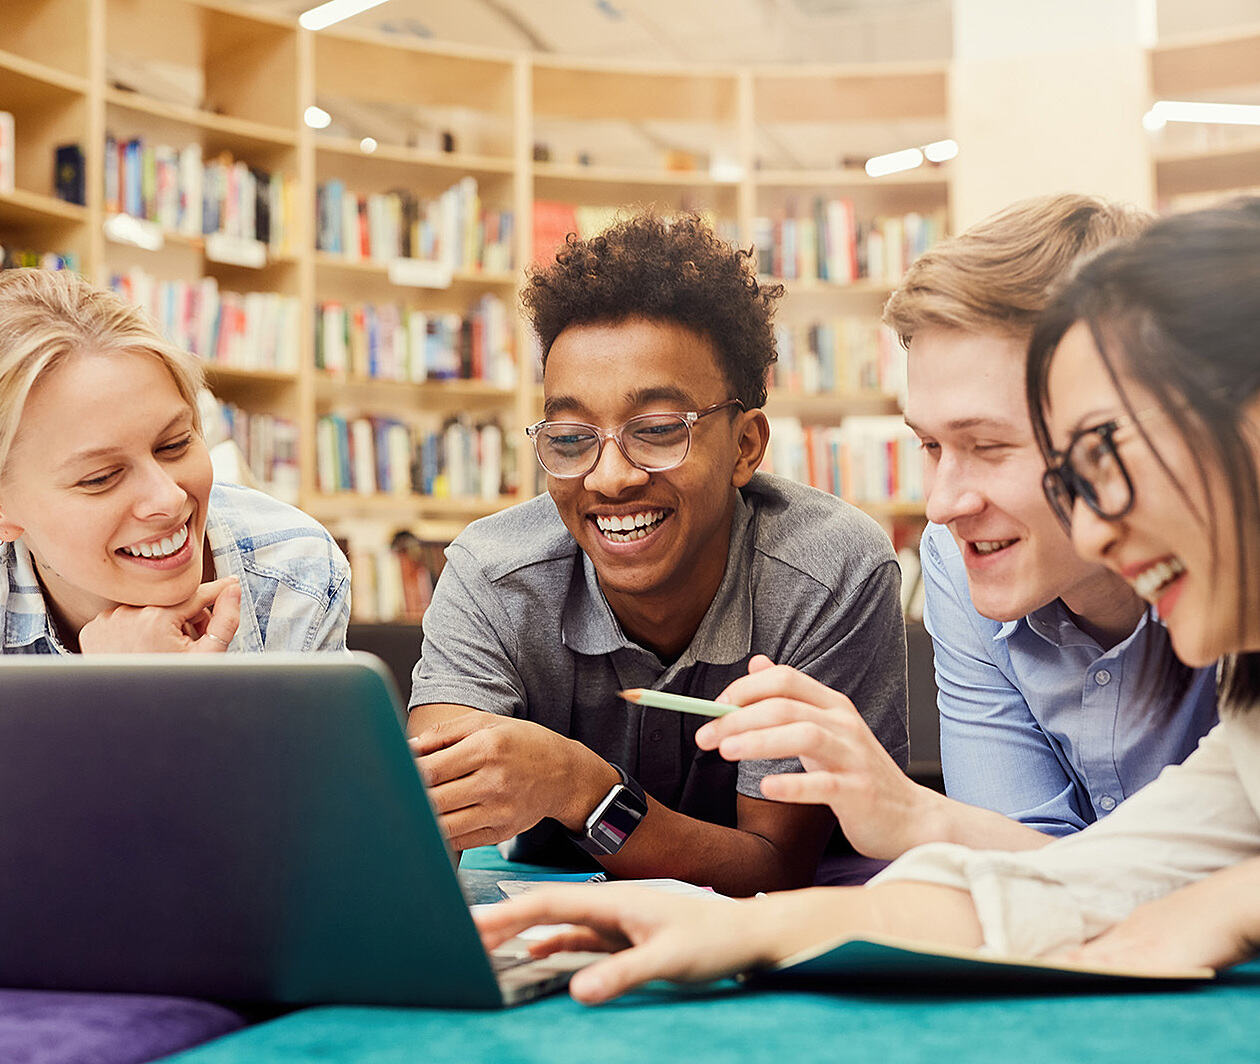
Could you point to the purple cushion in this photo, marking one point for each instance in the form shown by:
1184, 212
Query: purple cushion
55, 1027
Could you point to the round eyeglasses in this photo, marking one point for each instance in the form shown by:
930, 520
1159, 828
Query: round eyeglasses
651, 442
1090, 469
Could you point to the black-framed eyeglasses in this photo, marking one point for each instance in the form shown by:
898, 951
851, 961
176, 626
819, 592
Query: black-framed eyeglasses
1091, 469
654, 442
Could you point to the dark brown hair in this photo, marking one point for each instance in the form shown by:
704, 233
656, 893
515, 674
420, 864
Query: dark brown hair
1178, 311
676, 271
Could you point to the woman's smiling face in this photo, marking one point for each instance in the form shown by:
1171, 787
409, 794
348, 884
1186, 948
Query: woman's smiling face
1177, 545
107, 484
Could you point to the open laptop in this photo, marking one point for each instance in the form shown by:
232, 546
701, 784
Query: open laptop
248, 828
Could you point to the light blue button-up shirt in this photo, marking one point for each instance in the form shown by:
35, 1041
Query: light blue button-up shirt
295, 582
1037, 721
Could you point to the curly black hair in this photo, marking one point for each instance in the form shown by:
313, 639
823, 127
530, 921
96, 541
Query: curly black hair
662, 270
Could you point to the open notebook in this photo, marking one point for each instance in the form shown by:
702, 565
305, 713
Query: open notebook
906, 964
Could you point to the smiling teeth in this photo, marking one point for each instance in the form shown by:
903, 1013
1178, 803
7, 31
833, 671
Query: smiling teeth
1151, 582
163, 548
628, 527
988, 546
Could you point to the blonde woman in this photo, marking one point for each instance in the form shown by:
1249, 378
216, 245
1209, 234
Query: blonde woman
113, 536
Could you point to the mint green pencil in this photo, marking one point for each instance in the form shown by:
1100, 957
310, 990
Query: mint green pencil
679, 703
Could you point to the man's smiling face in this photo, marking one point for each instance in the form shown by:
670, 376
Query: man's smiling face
966, 404
652, 537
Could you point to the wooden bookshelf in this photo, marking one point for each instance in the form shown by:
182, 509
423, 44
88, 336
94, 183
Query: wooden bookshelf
226, 78
1197, 163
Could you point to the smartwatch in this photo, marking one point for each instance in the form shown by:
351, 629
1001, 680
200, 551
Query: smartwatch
615, 818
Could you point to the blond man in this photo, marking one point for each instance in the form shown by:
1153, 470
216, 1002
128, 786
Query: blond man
1048, 718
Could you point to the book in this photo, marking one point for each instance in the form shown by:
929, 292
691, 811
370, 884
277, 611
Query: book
899, 963
68, 174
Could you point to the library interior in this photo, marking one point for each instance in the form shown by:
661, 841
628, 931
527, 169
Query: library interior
347, 216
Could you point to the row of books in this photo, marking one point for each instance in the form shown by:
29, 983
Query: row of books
382, 455
13, 258
454, 229
395, 343
554, 220
394, 582
268, 445
184, 193
843, 354
863, 459
254, 330
826, 241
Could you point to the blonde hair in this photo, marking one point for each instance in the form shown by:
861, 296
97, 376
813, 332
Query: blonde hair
47, 317
999, 274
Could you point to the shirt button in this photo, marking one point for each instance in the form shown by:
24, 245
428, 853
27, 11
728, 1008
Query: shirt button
1107, 802
1102, 677
655, 737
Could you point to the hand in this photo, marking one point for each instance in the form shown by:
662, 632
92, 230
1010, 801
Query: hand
491, 777
789, 714
1214, 923
204, 623
651, 935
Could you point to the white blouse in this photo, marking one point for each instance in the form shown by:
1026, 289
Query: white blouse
1193, 819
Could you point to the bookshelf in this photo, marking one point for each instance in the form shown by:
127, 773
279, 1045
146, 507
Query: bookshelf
1196, 163
419, 134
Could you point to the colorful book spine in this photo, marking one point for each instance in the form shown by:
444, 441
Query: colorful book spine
838, 355
864, 460
454, 230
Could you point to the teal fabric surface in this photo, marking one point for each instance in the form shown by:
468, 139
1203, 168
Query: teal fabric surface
1216, 1023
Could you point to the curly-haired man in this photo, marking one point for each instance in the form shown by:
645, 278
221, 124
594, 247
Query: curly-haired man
661, 559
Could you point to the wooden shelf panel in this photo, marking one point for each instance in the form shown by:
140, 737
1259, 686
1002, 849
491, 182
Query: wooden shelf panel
829, 406
250, 135
31, 208
23, 79
1204, 62
596, 91
613, 175
928, 178
870, 93
442, 396
326, 260
460, 162
1236, 166
863, 288
891, 509
404, 507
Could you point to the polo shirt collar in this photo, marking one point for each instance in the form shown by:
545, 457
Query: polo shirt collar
589, 626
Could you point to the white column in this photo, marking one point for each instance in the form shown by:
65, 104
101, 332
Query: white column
1048, 96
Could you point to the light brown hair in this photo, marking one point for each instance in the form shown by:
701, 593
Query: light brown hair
999, 274
49, 316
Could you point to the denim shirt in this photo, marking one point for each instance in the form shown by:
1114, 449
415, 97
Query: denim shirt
295, 582
1038, 722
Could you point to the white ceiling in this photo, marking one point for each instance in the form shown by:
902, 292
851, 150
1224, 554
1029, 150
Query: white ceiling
706, 31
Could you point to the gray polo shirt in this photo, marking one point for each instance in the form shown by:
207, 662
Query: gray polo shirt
519, 626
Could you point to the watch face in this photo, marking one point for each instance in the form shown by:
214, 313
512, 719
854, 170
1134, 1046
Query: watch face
619, 818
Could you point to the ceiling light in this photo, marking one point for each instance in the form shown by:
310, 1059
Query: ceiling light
323, 16
940, 151
894, 162
317, 117
368, 144
1230, 114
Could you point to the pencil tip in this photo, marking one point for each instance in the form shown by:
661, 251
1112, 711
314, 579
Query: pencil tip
631, 694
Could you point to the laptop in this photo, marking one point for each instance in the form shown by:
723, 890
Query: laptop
243, 828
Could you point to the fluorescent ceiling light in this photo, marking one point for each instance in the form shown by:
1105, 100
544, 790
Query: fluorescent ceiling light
940, 151
323, 16
317, 117
894, 162
1230, 114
